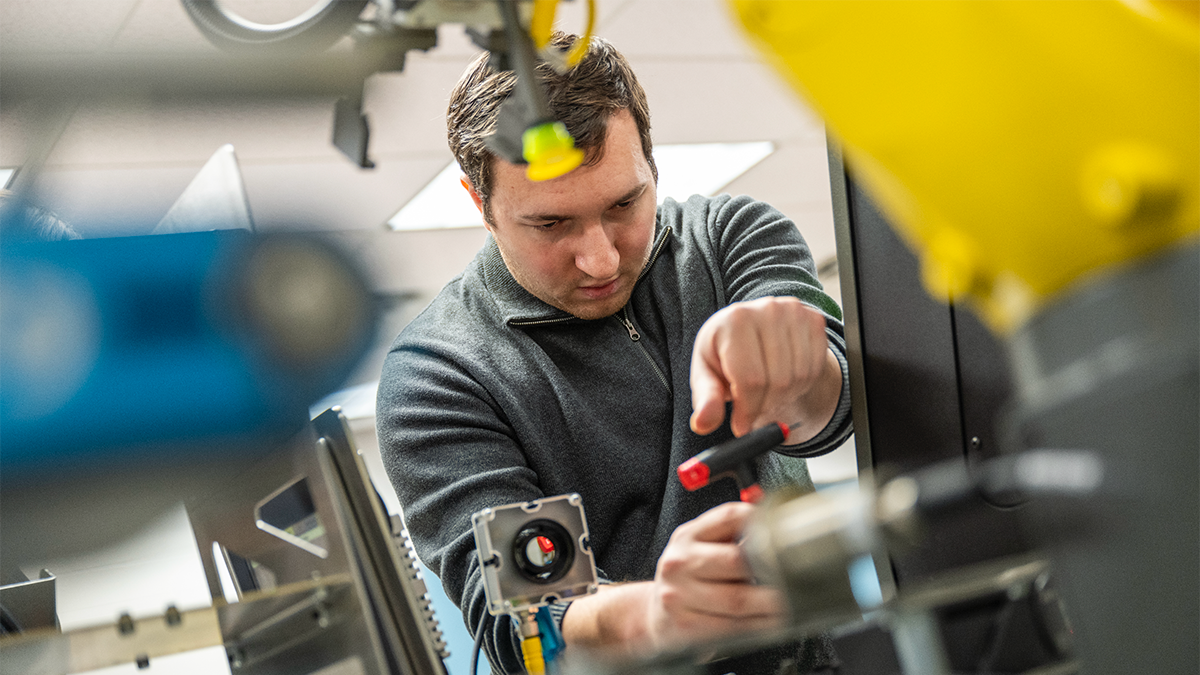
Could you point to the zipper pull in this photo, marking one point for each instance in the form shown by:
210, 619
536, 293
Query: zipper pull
633, 333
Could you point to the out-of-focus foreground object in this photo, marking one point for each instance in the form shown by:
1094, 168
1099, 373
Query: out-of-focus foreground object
1043, 161
306, 570
1021, 148
112, 344
814, 547
526, 134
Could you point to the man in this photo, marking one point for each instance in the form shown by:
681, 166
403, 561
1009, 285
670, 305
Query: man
592, 346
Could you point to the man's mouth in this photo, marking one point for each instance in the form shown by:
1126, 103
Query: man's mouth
600, 290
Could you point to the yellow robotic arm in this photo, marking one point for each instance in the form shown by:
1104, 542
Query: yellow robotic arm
1023, 148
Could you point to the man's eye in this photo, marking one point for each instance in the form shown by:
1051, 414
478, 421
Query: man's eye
549, 225
624, 204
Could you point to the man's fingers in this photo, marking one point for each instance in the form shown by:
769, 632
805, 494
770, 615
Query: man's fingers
721, 523
786, 350
692, 627
764, 356
709, 389
709, 562
702, 584
732, 601
709, 395
744, 367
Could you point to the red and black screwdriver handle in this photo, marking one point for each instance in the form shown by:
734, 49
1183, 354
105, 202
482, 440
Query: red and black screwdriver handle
733, 458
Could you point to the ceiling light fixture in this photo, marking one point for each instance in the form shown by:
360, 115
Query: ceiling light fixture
683, 170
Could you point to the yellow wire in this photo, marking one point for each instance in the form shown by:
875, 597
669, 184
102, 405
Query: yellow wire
541, 27
541, 24
531, 650
577, 52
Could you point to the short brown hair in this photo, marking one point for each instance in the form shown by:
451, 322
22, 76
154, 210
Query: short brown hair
583, 99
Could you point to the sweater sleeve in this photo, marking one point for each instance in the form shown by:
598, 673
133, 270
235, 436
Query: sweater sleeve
759, 252
449, 453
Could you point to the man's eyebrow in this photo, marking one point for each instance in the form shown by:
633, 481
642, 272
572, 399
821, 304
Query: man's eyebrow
632, 194
549, 217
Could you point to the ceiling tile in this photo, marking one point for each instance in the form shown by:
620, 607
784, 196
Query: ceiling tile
147, 131
334, 195
453, 45
304, 196
676, 30
417, 262
796, 172
121, 163
35, 26
571, 16
160, 25
690, 104
407, 110
16, 128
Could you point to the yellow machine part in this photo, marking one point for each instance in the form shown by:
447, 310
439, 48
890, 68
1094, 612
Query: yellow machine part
1022, 148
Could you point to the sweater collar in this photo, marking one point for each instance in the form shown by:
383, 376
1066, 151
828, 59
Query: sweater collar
519, 306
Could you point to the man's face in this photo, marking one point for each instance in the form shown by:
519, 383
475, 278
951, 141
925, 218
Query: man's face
578, 242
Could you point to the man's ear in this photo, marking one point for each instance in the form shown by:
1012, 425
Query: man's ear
466, 183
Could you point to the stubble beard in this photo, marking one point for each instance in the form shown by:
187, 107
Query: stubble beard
589, 311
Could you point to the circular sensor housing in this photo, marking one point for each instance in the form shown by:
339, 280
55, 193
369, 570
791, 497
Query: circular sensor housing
543, 551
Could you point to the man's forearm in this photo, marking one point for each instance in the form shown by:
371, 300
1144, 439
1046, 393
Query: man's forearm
614, 618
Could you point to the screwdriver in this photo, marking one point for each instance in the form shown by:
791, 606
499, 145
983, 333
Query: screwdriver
733, 459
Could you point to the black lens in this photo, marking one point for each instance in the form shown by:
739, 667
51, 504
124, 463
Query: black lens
543, 551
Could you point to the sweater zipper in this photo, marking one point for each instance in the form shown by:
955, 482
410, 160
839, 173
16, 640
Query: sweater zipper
636, 337
662, 243
539, 322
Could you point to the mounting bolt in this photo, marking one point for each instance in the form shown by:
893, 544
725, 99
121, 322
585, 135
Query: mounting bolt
976, 443
321, 615
125, 624
143, 661
174, 618
1131, 183
952, 267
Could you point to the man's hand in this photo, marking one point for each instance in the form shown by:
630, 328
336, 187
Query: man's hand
771, 358
701, 589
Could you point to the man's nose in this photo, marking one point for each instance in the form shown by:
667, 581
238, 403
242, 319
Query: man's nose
597, 254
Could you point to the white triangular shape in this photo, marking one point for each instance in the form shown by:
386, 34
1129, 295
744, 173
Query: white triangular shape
214, 200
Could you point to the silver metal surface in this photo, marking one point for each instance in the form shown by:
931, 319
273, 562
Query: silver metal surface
389, 569
495, 531
918, 641
806, 545
31, 604
289, 611
976, 581
474, 13
48, 652
1114, 367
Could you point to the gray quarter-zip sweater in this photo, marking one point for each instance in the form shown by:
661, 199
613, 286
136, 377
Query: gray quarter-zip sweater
490, 397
